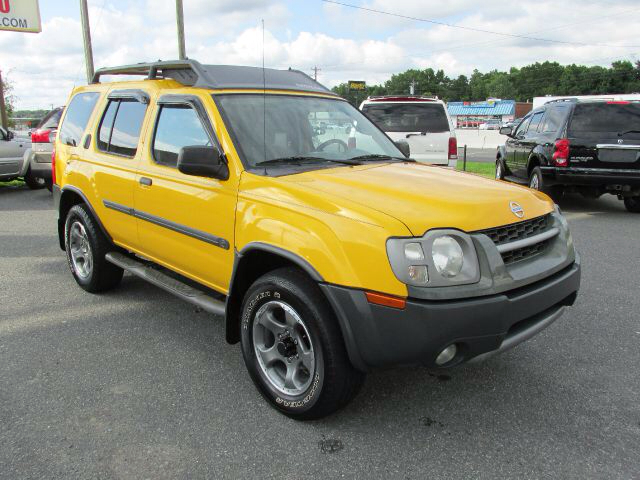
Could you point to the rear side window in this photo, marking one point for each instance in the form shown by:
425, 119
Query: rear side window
177, 126
554, 118
401, 117
605, 118
120, 127
76, 118
51, 119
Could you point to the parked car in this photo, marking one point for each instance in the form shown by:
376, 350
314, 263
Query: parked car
586, 146
42, 145
491, 124
14, 160
422, 121
327, 257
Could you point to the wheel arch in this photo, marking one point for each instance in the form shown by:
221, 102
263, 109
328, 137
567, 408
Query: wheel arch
533, 162
253, 261
69, 197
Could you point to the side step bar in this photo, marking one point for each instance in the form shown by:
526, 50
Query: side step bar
186, 292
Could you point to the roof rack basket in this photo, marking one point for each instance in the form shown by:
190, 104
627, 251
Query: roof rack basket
187, 72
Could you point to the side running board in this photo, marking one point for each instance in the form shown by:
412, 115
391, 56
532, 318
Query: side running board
180, 289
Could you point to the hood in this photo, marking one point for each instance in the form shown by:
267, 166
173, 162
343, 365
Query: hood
425, 197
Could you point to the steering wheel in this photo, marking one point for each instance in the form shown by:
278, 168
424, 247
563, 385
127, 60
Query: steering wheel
324, 145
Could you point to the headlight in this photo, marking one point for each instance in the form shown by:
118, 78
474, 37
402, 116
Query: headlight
447, 256
450, 259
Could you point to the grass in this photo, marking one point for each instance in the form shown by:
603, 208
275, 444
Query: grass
485, 169
12, 183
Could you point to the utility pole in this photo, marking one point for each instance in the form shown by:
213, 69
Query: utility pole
86, 35
3, 110
182, 55
315, 72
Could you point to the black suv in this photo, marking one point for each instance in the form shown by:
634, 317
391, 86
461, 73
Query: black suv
588, 146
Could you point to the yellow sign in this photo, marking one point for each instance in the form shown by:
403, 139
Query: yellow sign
353, 84
20, 16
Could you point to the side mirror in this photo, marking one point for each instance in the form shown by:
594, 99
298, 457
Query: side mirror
202, 162
10, 135
404, 147
506, 131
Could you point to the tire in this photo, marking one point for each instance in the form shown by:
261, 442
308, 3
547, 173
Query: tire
34, 183
286, 317
499, 169
49, 185
632, 204
86, 247
536, 182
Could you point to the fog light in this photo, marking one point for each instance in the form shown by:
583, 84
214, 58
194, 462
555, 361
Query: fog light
447, 354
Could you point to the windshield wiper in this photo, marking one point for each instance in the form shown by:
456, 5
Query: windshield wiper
373, 157
295, 160
628, 131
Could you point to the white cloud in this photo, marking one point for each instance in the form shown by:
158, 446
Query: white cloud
362, 45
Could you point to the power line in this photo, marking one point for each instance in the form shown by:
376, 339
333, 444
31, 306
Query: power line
473, 29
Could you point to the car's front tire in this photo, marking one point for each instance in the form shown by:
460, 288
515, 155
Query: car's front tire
499, 169
293, 348
86, 247
632, 204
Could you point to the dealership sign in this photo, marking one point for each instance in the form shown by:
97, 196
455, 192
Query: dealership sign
354, 85
20, 16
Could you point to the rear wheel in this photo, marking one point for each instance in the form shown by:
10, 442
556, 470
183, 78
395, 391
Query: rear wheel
86, 247
632, 204
536, 182
34, 183
293, 348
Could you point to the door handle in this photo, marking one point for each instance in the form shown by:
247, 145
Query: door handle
146, 181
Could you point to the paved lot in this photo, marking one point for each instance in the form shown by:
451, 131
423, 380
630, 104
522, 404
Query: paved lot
136, 384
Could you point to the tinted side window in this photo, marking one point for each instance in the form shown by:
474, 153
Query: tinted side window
554, 118
126, 127
77, 116
522, 127
606, 117
535, 122
120, 127
177, 126
104, 132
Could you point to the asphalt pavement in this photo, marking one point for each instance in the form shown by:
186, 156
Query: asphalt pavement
137, 384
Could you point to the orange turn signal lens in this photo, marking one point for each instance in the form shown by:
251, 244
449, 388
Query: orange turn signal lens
386, 300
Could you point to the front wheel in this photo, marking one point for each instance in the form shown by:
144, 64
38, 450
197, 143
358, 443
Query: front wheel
632, 204
293, 348
499, 169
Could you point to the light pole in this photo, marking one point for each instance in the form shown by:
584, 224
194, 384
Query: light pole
180, 21
86, 36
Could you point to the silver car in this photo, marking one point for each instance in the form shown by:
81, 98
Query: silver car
15, 159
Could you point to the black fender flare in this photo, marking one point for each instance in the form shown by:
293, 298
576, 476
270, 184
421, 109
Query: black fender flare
59, 199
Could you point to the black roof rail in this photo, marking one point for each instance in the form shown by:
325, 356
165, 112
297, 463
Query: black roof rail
193, 73
570, 99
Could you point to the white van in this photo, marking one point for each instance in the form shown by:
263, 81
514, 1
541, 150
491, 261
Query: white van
422, 121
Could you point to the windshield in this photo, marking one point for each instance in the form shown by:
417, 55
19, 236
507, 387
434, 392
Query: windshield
403, 117
603, 117
306, 129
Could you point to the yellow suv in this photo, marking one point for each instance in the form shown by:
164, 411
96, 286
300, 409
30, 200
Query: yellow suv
261, 196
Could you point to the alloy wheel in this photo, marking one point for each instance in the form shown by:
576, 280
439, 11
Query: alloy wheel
80, 250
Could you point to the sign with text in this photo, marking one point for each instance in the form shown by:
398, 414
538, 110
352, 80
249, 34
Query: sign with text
355, 85
20, 16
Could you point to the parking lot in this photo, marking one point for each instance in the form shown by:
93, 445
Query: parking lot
137, 384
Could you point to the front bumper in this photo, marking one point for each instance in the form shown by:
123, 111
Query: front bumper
378, 336
591, 176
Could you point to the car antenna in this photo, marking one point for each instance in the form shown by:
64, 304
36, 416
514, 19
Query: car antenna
264, 104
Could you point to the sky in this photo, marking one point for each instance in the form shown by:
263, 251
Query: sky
343, 42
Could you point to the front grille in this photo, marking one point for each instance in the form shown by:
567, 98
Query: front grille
519, 231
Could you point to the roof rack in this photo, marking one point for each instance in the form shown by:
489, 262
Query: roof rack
193, 73
414, 97
571, 99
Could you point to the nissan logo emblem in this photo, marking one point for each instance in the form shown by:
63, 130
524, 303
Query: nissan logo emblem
516, 209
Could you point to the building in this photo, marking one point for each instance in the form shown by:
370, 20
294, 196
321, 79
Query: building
473, 114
